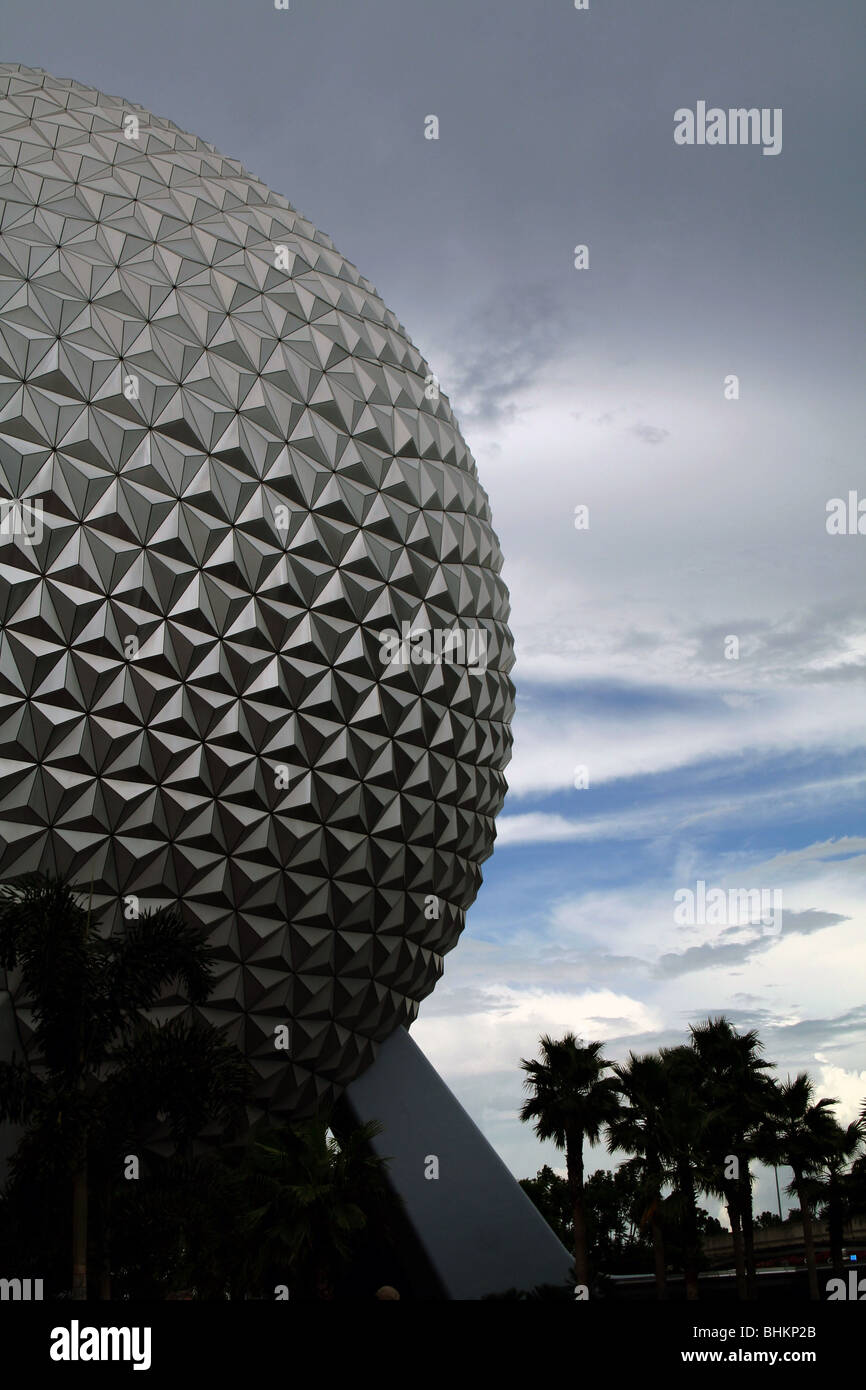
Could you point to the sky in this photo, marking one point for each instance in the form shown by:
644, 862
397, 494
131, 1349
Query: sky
698, 650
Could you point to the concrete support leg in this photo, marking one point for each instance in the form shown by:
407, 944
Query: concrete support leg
477, 1229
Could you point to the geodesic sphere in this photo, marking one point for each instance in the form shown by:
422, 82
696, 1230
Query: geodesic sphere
226, 476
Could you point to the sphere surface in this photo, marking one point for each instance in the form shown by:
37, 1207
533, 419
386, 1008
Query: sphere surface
222, 480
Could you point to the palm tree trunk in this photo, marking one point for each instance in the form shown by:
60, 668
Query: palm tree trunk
733, 1204
574, 1166
808, 1236
105, 1252
79, 1233
658, 1237
690, 1229
748, 1220
835, 1223
79, 1177
324, 1289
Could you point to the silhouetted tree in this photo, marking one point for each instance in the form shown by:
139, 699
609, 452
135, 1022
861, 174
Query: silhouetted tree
311, 1196
799, 1132
639, 1128
685, 1124
572, 1100
737, 1092
99, 1071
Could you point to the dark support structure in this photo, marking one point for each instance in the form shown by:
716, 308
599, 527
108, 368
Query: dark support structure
9, 1047
473, 1224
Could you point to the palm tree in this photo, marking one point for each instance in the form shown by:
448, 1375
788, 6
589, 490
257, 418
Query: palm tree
737, 1095
184, 1075
686, 1120
183, 1231
549, 1193
313, 1197
97, 1068
572, 1101
639, 1129
799, 1132
844, 1144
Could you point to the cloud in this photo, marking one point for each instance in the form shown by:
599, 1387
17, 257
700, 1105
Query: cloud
722, 955
801, 1039
506, 344
650, 434
663, 731
696, 805
848, 1088
711, 955
811, 920
846, 847
538, 827
506, 1023
484, 975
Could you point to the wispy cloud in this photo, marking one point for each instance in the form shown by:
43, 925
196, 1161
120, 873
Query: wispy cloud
650, 434
715, 955
505, 346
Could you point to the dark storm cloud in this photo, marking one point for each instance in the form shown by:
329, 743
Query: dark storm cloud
725, 956
556, 130
811, 1034
505, 347
816, 644
791, 1045
710, 956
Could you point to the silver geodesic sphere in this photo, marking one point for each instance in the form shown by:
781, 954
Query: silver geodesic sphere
226, 476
